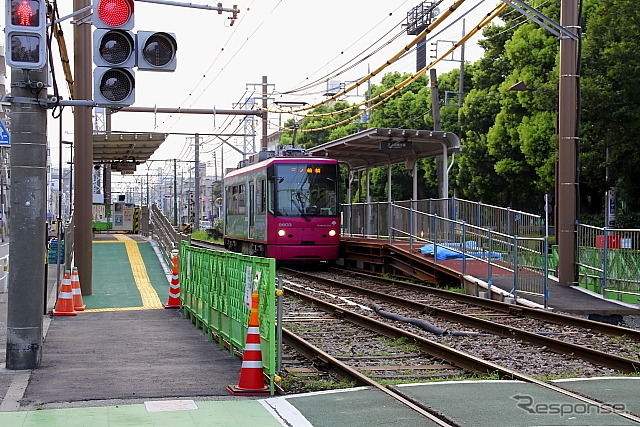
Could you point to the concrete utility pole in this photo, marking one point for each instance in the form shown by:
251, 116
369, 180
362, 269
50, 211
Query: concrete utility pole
83, 144
265, 122
107, 167
175, 192
196, 207
27, 242
567, 179
441, 161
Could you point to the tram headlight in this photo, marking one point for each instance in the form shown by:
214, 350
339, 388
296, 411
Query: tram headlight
332, 233
281, 233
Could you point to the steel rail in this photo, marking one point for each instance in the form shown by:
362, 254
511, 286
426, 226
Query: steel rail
516, 310
453, 356
309, 349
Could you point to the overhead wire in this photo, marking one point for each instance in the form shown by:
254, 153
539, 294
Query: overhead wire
384, 96
357, 105
235, 54
340, 70
389, 62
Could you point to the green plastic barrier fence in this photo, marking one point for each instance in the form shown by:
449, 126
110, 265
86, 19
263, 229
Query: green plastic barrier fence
622, 270
215, 288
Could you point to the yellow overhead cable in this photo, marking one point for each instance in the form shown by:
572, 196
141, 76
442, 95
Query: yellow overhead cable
397, 88
372, 74
348, 119
64, 58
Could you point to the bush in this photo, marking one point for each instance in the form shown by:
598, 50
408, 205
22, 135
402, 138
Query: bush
200, 235
218, 224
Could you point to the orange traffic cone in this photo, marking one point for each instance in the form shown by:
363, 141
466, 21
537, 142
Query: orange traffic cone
251, 376
64, 305
78, 305
174, 288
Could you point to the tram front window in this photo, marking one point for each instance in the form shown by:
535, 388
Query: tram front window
303, 189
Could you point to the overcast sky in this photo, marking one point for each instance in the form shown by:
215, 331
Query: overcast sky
292, 42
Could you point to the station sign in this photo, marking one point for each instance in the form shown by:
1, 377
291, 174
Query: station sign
123, 167
395, 145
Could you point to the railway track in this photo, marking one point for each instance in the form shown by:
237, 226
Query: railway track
206, 244
606, 345
345, 336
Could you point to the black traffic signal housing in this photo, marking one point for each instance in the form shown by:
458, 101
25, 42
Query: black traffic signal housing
156, 51
113, 53
117, 51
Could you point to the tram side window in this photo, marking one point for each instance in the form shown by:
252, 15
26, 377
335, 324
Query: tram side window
232, 201
236, 200
242, 200
261, 200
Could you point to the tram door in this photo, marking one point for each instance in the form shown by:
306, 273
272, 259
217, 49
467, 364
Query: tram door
252, 210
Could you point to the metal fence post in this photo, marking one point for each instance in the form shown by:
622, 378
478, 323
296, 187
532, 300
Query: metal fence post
435, 239
545, 279
279, 324
411, 225
515, 267
489, 264
464, 247
605, 261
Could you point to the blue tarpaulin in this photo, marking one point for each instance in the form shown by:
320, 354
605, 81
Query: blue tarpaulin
442, 251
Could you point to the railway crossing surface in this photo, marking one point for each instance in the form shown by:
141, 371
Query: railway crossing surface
128, 361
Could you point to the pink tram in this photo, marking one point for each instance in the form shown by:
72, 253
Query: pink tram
283, 206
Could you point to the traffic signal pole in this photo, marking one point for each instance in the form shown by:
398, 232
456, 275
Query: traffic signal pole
26, 55
28, 203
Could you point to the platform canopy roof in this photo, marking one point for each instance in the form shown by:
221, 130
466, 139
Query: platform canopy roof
383, 146
126, 147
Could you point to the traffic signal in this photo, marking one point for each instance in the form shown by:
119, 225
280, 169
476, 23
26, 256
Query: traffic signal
113, 53
156, 51
26, 34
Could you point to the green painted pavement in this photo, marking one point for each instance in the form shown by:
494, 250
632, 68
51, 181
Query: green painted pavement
113, 282
218, 413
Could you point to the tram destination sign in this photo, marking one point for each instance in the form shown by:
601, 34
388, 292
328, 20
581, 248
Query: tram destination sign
395, 145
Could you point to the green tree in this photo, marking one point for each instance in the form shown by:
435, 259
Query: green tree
474, 175
324, 119
610, 104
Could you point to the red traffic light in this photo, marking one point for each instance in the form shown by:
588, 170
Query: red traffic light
25, 13
114, 14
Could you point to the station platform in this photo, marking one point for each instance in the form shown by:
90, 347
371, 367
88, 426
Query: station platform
126, 360
564, 299
573, 300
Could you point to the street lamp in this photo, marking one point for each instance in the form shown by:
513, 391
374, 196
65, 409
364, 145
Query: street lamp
521, 87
